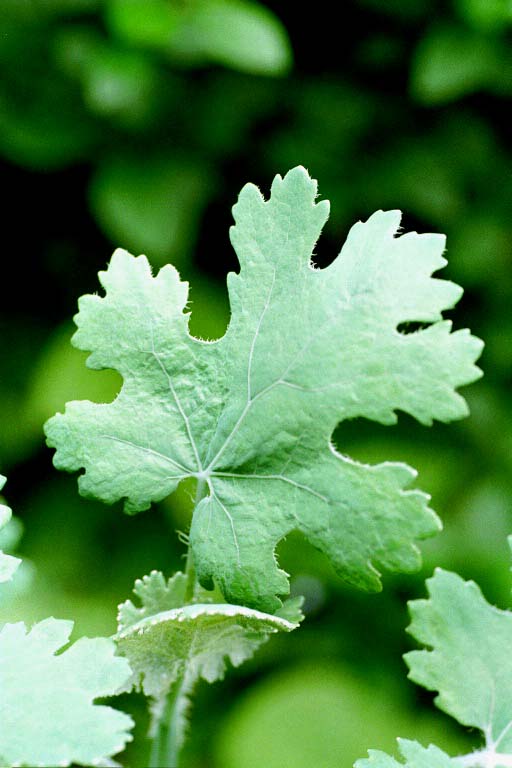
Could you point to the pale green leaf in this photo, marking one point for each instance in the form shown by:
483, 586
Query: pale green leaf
171, 644
291, 610
47, 711
155, 595
252, 414
414, 754
8, 564
470, 664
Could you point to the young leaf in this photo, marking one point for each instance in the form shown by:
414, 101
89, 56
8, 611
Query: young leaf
252, 414
47, 714
8, 564
469, 665
172, 645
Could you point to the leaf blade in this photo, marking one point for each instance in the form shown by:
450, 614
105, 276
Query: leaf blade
304, 350
47, 699
464, 631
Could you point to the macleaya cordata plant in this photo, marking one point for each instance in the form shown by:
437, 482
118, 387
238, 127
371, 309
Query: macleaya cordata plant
250, 418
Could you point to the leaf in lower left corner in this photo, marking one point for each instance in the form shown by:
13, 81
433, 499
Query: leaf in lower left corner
47, 712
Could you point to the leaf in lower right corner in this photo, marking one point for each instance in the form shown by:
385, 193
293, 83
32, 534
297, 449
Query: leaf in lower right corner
469, 664
414, 754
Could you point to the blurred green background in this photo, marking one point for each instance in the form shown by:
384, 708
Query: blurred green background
135, 123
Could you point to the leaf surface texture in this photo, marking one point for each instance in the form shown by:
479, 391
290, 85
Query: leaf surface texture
252, 414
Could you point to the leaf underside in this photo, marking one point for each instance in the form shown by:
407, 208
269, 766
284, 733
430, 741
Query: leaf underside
47, 714
168, 643
252, 414
468, 663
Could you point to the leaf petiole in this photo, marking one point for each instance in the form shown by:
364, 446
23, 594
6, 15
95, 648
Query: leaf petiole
169, 736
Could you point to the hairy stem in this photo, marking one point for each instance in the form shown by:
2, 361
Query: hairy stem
170, 736
170, 733
190, 570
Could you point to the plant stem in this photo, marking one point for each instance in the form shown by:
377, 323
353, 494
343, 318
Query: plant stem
169, 738
170, 735
190, 571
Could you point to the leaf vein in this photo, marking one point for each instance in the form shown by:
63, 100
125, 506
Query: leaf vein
177, 401
150, 451
285, 479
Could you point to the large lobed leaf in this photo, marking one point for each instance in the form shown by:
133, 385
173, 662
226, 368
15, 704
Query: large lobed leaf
252, 414
469, 665
47, 711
